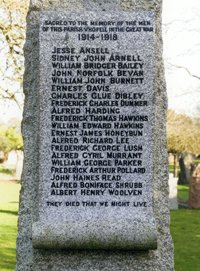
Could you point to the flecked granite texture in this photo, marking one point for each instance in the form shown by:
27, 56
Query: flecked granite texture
38, 259
96, 227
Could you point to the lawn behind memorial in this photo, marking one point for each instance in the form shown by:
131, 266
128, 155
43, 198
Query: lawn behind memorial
9, 200
185, 228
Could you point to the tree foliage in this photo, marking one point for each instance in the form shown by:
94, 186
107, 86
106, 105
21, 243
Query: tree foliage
12, 36
10, 139
183, 133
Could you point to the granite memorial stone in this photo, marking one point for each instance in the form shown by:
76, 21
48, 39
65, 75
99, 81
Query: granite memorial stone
96, 121
94, 177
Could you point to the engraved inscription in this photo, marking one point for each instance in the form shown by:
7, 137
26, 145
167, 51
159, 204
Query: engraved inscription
101, 113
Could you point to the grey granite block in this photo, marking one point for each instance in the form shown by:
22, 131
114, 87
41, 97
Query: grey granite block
66, 238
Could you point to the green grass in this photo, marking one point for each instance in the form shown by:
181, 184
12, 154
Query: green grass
5, 170
183, 192
171, 168
185, 229
9, 194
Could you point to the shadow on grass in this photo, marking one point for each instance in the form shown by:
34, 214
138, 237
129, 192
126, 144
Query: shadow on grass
9, 212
